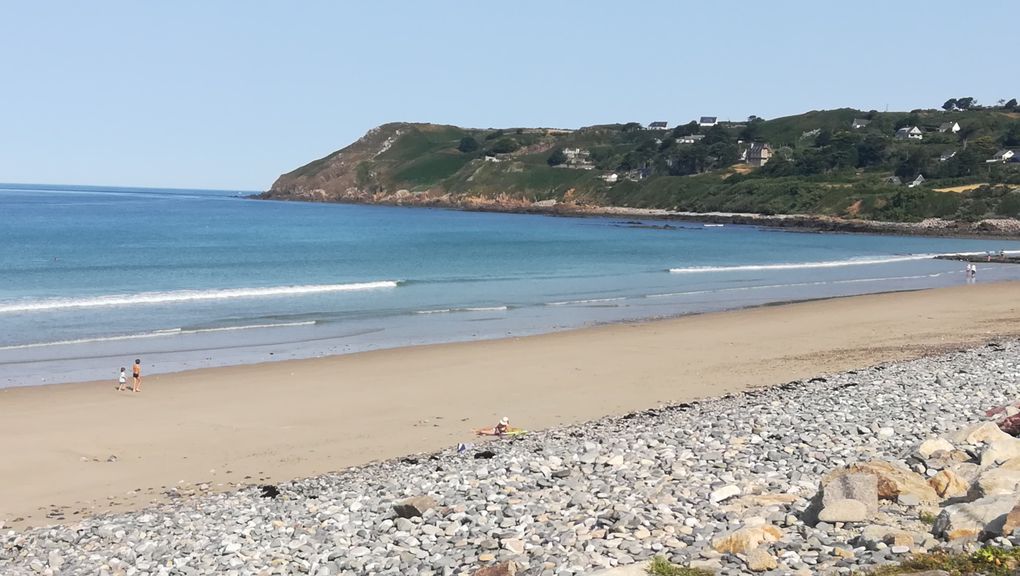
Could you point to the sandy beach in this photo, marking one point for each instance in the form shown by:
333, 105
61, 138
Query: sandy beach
79, 449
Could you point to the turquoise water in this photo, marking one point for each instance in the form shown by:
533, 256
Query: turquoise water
94, 277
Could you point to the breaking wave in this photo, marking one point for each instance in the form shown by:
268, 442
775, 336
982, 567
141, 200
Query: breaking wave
803, 265
178, 296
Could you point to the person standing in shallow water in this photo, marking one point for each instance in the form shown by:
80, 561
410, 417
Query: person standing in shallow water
136, 376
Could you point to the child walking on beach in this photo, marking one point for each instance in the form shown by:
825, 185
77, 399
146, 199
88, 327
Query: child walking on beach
136, 373
122, 381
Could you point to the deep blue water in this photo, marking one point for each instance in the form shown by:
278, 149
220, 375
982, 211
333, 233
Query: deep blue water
93, 277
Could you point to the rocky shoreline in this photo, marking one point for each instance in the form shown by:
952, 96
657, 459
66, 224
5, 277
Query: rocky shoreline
773, 480
1006, 228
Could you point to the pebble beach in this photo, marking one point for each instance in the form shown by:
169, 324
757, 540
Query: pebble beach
671, 481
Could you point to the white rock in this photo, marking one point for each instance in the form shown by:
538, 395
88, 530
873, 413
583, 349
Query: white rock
724, 493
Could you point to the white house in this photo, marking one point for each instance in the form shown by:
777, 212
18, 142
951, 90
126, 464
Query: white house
610, 178
953, 127
916, 181
946, 156
708, 121
859, 123
909, 133
658, 125
690, 139
1002, 156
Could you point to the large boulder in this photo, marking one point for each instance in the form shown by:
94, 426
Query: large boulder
1012, 522
933, 445
893, 480
980, 519
745, 539
979, 433
949, 484
860, 487
759, 560
846, 510
1000, 450
415, 506
1004, 479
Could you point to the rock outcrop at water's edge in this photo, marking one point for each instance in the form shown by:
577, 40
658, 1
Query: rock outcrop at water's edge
907, 456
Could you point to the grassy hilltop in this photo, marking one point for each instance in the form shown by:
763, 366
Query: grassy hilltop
821, 165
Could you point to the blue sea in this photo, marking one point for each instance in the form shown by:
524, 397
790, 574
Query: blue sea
93, 277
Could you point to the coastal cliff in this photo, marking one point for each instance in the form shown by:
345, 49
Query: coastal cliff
819, 170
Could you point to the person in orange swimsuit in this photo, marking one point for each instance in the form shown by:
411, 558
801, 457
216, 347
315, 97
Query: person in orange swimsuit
136, 374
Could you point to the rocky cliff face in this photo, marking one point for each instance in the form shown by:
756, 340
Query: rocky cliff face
334, 178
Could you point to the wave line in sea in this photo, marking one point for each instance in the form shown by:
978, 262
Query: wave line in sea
178, 296
583, 302
155, 334
803, 265
467, 309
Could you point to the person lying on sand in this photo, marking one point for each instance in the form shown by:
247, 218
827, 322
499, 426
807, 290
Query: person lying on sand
503, 427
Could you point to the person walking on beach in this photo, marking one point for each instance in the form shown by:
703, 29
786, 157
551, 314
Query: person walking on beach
122, 381
136, 376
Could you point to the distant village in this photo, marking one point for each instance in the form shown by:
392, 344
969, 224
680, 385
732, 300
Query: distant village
758, 154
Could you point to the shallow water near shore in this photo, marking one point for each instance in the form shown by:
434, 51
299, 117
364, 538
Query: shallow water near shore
94, 277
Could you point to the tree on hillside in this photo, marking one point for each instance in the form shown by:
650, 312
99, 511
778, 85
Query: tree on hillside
910, 120
1012, 137
967, 131
983, 147
843, 150
949, 105
716, 134
824, 138
752, 131
557, 157
778, 167
915, 163
689, 160
1011, 105
687, 129
871, 151
504, 146
468, 145
725, 154
966, 103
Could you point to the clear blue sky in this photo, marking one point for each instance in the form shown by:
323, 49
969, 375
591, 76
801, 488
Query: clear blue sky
218, 94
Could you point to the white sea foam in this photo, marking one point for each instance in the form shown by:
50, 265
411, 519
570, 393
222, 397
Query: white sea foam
178, 296
468, 309
804, 265
792, 285
582, 302
155, 334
